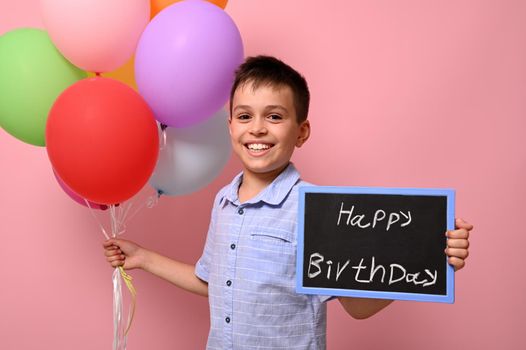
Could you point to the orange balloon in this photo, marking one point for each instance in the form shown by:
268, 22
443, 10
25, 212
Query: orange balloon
158, 5
125, 74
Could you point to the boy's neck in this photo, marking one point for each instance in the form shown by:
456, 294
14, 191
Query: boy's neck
254, 183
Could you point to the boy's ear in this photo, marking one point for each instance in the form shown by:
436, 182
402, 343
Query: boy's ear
304, 133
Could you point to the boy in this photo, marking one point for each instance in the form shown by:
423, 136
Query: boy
247, 269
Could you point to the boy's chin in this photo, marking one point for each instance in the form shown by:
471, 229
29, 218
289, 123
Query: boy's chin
265, 170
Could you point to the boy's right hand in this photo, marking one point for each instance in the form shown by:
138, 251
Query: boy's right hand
120, 252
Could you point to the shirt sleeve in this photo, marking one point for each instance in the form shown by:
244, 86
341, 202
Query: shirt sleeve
202, 267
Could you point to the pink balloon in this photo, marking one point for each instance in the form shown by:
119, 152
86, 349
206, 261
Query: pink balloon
75, 196
96, 35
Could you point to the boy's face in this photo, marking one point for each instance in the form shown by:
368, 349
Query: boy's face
263, 128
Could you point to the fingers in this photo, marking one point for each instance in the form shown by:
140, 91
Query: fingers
112, 252
113, 243
117, 263
461, 233
460, 223
110, 242
457, 253
116, 259
458, 243
457, 263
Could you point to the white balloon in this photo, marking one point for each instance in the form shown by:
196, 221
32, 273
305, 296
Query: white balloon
192, 157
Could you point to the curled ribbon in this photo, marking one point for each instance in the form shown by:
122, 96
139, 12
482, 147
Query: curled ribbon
128, 280
121, 332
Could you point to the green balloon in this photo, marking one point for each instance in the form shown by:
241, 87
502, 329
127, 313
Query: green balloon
32, 75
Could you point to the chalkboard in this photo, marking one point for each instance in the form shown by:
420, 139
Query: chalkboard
385, 243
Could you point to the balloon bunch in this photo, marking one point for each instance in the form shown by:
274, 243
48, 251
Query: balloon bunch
101, 135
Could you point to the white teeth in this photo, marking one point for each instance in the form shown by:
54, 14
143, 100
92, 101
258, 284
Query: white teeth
257, 146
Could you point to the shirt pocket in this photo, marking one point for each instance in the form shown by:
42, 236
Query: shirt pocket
274, 251
273, 236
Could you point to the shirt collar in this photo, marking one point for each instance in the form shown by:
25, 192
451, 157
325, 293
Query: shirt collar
273, 194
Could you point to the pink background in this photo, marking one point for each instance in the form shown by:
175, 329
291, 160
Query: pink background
404, 93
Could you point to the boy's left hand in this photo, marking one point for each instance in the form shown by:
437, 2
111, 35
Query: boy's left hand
458, 244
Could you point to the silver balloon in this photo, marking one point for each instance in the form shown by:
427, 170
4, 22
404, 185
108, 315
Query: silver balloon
192, 157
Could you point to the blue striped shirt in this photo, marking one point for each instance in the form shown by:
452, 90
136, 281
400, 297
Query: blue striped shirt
249, 262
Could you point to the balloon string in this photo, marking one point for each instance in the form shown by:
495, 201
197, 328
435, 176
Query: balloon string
119, 218
118, 215
126, 210
150, 202
92, 212
119, 339
117, 224
117, 292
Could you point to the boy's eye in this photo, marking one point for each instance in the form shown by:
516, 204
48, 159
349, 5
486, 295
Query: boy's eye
243, 117
275, 117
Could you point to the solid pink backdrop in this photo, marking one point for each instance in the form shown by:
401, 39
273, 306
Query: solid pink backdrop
404, 93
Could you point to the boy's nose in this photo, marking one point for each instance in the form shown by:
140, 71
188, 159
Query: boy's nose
258, 127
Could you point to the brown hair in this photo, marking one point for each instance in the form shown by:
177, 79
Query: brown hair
269, 70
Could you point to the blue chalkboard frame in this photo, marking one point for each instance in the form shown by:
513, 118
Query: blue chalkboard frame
449, 297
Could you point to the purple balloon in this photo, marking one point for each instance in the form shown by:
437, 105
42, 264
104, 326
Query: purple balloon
186, 60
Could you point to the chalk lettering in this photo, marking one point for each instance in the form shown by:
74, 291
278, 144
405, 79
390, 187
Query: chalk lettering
377, 216
315, 263
375, 269
329, 262
357, 220
352, 220
358, 268
408, 216
433, 276
339, 271
360, 220
411, 278
348, 212
373, 272
400, 267
393, 218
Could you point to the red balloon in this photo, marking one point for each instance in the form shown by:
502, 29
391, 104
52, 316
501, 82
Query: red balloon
102, 140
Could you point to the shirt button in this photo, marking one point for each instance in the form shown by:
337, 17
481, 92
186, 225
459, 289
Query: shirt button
240, 211
232, 246
227, 320
229, 283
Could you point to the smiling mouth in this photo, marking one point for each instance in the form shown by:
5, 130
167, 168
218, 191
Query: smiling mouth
258, 147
